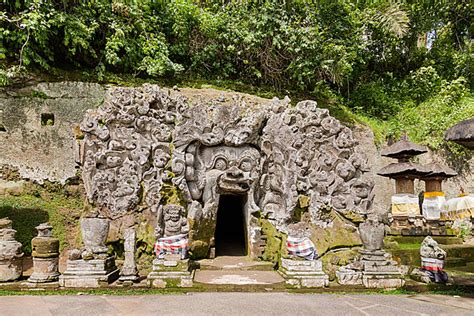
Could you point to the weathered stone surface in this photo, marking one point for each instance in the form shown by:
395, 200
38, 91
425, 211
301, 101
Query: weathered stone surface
89, 273
375, 266
11, 256
303, 273
149, 136
43, 150
45, 252
94, 233
129, 270
170, 272
432, 263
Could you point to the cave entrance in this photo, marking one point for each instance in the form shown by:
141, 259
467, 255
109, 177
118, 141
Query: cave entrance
230, 236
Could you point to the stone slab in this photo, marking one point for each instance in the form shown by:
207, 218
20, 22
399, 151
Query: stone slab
88, 280
236, 277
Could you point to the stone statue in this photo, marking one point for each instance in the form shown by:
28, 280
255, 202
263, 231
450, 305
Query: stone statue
11, 255
372, 232
171, 231
432, 263
172, 221
375, 268
91, 266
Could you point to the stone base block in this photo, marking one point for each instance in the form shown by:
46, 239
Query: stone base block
304, 273
45, 270
382, 281
349, 277
163, 280
11, 269
170, 273
89, 273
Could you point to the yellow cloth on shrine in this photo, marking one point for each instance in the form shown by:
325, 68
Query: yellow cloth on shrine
405, 204
458, 208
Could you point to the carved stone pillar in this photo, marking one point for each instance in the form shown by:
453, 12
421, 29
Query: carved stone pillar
129, 271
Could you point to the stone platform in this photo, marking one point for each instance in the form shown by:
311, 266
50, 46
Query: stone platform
380, 271
89, 273
304, 273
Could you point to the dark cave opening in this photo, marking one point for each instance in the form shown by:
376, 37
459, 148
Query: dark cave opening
230, 227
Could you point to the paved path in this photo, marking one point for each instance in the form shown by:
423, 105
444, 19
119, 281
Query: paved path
238, 304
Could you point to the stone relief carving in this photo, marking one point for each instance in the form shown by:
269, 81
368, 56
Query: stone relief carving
271, 154
126, 148
171, 221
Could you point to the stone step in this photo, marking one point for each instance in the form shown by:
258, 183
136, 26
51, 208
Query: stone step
238, 263
233, 277
455, 262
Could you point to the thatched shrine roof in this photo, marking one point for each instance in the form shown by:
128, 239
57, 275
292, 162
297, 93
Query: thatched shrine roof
462, 133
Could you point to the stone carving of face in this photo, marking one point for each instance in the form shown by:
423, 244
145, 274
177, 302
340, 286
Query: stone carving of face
231, 169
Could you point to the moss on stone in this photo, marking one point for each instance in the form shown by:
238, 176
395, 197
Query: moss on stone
170, 194
341, 234
275, 247
335, 259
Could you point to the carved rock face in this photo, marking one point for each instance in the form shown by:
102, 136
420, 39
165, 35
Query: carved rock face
143, 138
229, 169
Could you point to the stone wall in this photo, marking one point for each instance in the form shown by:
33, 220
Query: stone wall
37, 127
42, 146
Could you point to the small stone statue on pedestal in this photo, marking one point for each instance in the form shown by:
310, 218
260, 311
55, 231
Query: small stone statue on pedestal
375, 268
11, 256
129, 271
432, 263
92, 266
45, 255
171, 268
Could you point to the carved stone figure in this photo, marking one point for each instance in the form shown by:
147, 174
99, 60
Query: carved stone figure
432, 263
11, 255
372, 232
171, 221
45, 252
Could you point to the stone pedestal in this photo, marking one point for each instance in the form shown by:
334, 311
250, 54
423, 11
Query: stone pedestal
380, 271
347, 276
304, 273
45, 270
170, 272
45, 255
89, 273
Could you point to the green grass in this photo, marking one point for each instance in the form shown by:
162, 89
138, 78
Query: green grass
28, 211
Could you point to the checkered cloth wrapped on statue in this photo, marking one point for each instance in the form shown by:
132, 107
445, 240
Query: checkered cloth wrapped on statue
301, 247
177, 244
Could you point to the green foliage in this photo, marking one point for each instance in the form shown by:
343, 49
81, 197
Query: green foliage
29, 210
379, 58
